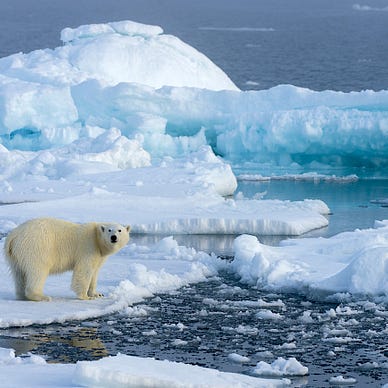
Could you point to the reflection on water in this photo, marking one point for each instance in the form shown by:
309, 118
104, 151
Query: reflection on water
354, 205
61, 341
221, 245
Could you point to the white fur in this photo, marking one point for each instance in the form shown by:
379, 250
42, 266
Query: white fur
45, 246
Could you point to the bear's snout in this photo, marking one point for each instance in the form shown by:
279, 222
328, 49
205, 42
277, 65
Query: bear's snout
113, 239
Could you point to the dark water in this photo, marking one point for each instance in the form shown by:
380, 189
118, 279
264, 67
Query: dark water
354, 205
207, 322
318, 44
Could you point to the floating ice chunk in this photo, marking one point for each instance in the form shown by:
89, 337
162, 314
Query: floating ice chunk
179, 342
237, 358
281, 367
268, 314
358, 7
8, 357
286, 346
306, 317
129, 371
341, 380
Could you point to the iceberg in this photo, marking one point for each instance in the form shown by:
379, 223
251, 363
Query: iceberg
172, 100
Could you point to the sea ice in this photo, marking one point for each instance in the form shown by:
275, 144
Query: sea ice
178, 196
128, 371
281, 367
341, 380
172, 100
119, 371
238, 358
136, 273
359, 265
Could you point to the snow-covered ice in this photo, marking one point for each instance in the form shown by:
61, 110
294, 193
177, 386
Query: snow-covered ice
135, 273
350, 262
138, 272
119, 371
127, 371
176, 196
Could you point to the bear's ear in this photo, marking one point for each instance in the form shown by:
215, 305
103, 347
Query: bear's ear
102, 228
128, 228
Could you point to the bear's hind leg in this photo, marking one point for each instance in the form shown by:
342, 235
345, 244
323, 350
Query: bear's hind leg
34, 286
19, 280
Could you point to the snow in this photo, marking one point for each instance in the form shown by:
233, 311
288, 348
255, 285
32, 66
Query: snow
353, 262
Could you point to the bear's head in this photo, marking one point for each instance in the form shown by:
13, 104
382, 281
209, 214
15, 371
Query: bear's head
114, 236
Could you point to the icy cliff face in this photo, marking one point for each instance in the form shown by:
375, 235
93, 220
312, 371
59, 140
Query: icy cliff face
169, 98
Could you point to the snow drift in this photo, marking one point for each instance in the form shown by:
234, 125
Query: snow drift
351, 262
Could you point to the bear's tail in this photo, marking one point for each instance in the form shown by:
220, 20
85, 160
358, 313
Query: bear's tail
8, 246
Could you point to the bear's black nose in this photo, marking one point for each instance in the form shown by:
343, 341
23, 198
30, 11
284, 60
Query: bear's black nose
113, 239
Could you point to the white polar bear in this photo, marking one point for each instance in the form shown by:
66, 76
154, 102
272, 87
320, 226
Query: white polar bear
45, 246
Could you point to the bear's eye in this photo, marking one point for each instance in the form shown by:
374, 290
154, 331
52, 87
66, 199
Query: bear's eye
110, 230
119, 230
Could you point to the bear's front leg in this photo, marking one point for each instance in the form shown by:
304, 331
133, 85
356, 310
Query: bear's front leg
82, 277
92, 293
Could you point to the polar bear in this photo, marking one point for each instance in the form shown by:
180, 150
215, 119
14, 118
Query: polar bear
45, 246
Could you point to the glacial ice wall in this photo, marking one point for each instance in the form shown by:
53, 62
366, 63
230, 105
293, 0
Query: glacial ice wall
172, 100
